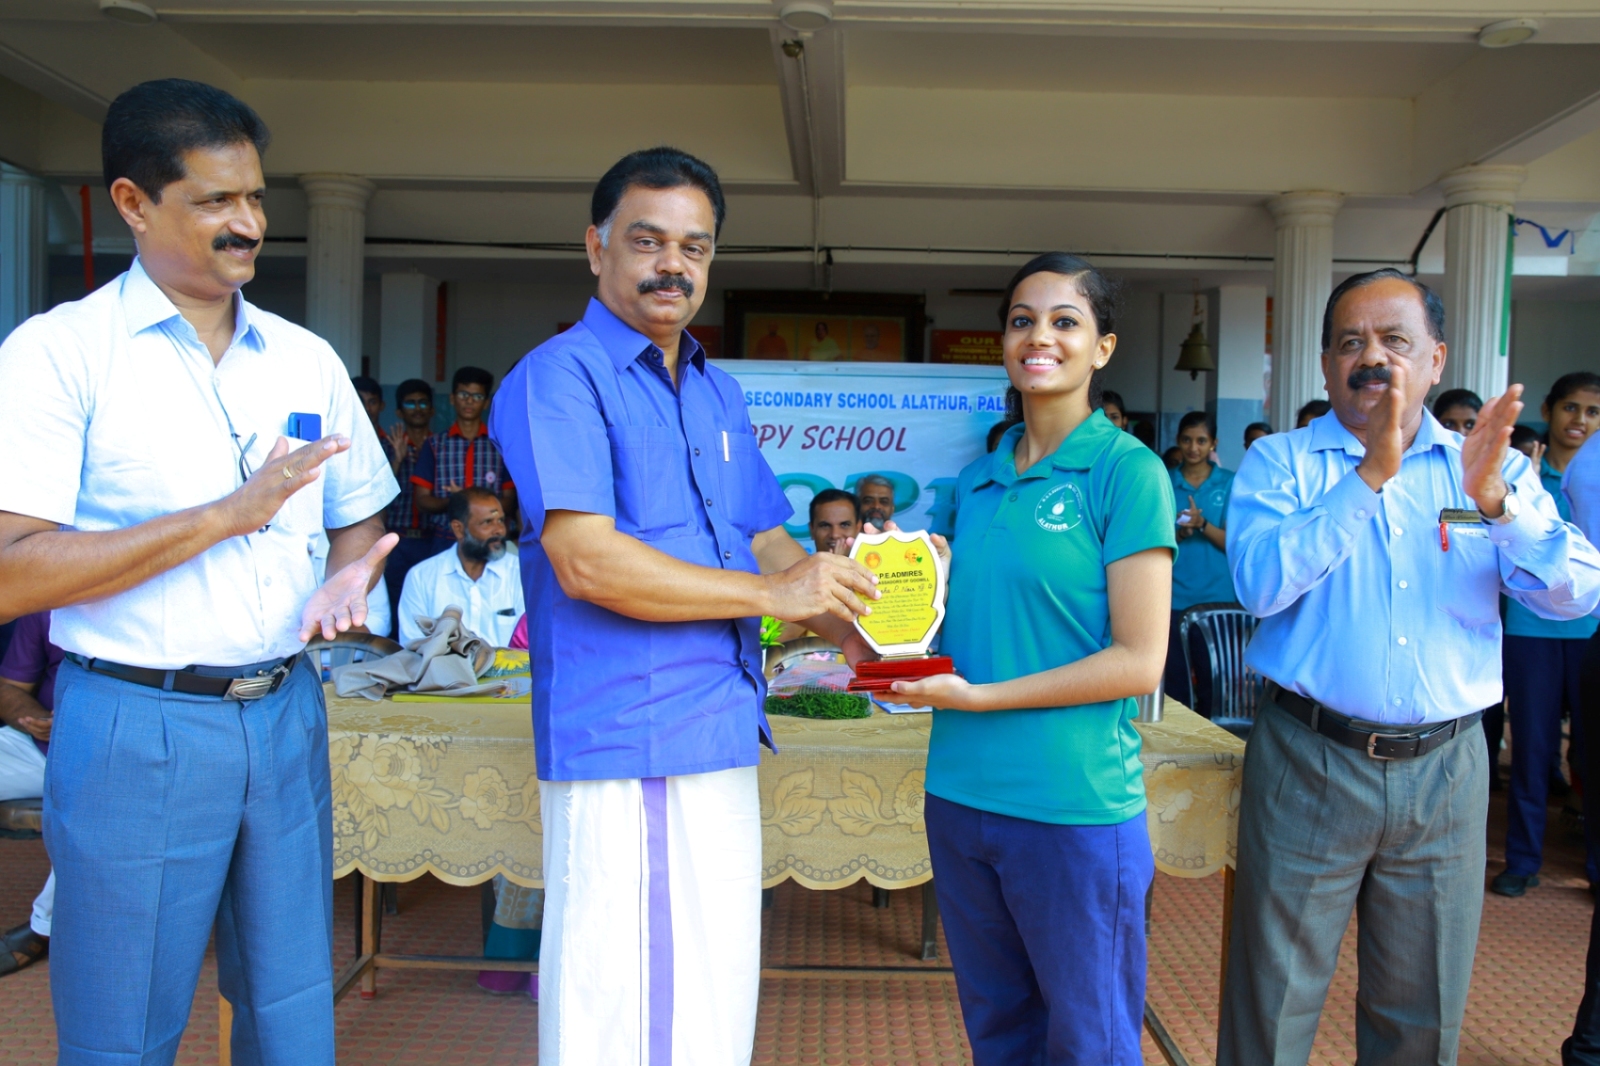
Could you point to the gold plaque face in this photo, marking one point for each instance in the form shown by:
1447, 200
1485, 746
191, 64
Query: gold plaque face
911, 579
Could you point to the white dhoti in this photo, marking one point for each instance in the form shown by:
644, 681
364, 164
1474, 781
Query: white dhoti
652, 921
22, 777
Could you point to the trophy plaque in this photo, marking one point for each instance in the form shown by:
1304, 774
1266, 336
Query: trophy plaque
911, 583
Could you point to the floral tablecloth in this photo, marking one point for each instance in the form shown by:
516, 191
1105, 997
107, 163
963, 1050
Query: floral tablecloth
450, 789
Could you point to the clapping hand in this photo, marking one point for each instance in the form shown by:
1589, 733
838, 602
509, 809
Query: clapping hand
1196, 518
398, 439
1483, 452
340, 604
252, 505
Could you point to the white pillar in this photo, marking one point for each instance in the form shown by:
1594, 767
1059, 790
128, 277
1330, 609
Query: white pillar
23, 264
1241, 366
1478, 202
336, 233
1302, 276
406, 342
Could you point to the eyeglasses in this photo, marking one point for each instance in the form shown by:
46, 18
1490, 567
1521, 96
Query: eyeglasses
471, 397
244, 467
416, 405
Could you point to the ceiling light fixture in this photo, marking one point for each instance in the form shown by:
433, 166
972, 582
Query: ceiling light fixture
1507, 33
130, 11
806, 15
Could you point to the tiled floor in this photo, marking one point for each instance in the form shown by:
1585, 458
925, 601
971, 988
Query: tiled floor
1525, 988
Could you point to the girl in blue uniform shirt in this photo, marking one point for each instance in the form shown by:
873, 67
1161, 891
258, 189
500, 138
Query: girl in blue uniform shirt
1542, 660
1060, 584
1200, 571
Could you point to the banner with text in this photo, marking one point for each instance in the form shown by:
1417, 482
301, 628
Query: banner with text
824, 426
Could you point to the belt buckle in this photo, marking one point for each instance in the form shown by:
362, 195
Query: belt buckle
264, 684
1372, 748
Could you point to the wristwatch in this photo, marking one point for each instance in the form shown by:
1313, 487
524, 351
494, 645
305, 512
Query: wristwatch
1512, 507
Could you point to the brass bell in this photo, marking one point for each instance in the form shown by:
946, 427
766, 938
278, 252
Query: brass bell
1195, 354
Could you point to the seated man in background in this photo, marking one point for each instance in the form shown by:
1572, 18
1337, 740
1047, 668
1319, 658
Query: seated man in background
876, 495
835, 518
479, 576
27, 696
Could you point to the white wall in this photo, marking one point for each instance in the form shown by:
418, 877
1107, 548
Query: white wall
1550, 338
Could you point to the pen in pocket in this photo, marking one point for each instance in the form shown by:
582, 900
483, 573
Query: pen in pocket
725, 446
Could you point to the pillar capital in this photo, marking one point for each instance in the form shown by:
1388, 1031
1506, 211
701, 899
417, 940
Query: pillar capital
337, 190
1306, 208
1496, 185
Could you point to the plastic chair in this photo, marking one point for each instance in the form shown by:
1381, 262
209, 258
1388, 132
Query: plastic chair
1236, 690
348, 648
21, 819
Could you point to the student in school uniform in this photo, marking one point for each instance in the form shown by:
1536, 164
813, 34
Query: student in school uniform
1200, 570
1059, 593
1542, 660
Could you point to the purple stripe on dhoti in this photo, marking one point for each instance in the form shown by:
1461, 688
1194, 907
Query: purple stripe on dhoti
655, 824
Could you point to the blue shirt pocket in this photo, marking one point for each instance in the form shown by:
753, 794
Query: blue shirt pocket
1471, 568
650, 478
742, 483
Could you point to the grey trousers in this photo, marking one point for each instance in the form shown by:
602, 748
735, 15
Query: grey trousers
1324, 829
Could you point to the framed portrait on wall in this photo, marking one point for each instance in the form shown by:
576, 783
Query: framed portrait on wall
824, 327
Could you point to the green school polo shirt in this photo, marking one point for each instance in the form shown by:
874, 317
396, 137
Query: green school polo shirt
1028, 593
1521, 622
1200, 572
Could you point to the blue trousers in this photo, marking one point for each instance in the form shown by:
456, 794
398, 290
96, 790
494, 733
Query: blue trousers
167, 815
1046, 931
1543, 681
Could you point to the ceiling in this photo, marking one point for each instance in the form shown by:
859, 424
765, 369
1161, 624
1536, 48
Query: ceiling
1163, 65
571, 55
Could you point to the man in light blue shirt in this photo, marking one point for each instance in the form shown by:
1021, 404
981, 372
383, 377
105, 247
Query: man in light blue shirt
1374, 545
155, 505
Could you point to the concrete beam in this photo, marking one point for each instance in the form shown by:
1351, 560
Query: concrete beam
1506, 106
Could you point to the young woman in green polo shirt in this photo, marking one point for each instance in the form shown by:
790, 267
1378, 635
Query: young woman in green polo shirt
1060, 585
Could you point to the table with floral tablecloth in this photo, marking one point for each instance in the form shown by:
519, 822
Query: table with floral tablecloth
449, 789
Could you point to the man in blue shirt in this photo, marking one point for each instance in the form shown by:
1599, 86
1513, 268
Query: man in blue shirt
654, 543
1374, 545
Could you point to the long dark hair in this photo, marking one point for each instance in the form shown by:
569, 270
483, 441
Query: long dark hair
1567, 384
1101, 291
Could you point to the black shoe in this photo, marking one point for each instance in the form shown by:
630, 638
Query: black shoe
1513, 885
20, 948
1559, 789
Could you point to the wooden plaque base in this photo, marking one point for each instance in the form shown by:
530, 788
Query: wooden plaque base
879, 676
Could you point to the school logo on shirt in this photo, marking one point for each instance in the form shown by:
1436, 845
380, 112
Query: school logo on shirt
1060, 509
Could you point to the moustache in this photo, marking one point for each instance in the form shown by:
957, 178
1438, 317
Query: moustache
233, 240
669, 281
1366, 375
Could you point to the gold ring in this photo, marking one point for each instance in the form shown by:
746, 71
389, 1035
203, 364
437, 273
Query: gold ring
288, 473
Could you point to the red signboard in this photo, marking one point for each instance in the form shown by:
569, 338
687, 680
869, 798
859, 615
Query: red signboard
976, 346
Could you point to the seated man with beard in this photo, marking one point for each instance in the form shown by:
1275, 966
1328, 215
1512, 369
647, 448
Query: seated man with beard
478, 574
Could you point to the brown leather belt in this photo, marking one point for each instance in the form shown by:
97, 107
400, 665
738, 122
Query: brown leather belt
1377, 741
223, 682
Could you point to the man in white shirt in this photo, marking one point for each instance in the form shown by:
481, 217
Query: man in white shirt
188, 787
478, 575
